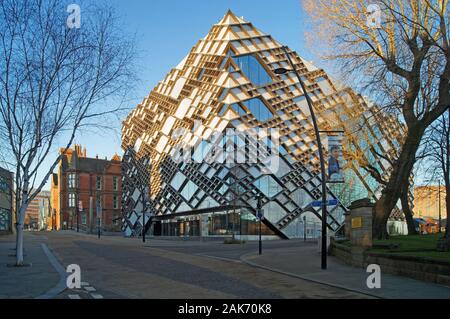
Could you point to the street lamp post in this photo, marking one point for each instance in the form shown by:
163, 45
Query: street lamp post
79, 211
281, 71
260, 217
146, 203
304, 228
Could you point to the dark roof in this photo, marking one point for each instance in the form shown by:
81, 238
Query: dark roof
92, 165
86, 164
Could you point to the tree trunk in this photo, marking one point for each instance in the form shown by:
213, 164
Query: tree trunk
19, 245
20, 223
399, 180
409, 215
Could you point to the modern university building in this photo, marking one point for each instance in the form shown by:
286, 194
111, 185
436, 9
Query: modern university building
223, 131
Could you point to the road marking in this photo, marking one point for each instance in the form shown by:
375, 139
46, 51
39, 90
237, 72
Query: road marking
220, 258
84, 284
97, 296
90, 289
61, 286
74, 297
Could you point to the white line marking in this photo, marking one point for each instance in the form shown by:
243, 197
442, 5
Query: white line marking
84, 283
90, 289
74, 297
97, 296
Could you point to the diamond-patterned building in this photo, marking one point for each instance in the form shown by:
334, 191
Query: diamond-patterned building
226, 82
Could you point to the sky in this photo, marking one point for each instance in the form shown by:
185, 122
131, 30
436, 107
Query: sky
166, 30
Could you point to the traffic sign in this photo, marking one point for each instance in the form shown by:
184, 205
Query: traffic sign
331, 202
260, 214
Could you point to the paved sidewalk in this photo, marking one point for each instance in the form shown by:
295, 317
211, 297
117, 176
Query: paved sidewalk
29, 282
304, 262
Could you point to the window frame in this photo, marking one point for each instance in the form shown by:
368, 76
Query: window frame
99, 183
72, 200
115, 202
72, 180
115, 183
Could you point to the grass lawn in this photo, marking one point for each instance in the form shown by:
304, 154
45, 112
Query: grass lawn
415, 246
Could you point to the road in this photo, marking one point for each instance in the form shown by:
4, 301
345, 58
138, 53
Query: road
116, 267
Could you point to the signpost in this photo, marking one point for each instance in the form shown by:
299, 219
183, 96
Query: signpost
99, 220
332, 202
80, 209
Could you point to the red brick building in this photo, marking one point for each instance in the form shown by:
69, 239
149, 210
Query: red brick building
85, 189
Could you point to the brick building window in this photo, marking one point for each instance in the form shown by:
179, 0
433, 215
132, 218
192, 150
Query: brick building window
72, 180
99, 183
115, 202
115, 183
72, 202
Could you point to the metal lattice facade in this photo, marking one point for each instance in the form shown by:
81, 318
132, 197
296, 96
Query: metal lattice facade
228, 81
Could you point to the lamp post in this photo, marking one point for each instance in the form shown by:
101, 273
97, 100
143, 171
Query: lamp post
281, 71
260, 217
304, 228
79, 211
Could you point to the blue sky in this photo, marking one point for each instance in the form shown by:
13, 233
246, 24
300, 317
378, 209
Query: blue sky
167, 30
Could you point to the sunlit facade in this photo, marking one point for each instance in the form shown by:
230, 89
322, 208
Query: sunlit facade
227, 82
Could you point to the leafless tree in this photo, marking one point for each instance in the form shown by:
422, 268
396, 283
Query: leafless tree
403, 63
55, 80
436, 160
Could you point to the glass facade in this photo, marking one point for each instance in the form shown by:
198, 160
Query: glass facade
226, 174
218, 224
5, 200
5, 221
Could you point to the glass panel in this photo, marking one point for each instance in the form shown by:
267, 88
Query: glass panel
178, 181
254, 71
268, 186
189, 190
258, 109
238, 109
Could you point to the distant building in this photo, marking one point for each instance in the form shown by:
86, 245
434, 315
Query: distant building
45, 212
54, 220
426, 202
33, 218
6, 201
86, 188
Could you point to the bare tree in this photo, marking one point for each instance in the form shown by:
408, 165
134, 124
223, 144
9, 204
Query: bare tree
54, 80
402, 59
436, 154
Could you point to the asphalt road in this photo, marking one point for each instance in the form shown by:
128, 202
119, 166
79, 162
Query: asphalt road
115, 267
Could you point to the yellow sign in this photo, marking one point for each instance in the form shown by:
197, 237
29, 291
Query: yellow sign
356, 222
